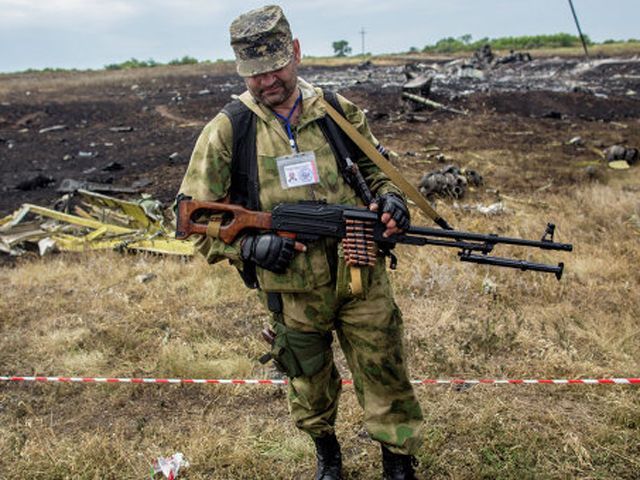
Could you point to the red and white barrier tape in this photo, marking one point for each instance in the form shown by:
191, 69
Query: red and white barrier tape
456, 381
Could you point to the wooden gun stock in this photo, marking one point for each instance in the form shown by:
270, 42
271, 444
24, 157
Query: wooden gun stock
241, 219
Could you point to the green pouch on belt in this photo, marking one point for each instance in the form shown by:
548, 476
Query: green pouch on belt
300, 353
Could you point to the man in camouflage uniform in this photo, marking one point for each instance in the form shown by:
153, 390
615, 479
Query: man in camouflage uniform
306, 287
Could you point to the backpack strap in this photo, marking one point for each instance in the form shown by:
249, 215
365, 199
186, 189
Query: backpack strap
244, 189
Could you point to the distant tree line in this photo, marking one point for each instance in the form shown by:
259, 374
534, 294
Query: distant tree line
465, 43
135, 63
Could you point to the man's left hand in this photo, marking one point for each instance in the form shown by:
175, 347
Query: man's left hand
395, 214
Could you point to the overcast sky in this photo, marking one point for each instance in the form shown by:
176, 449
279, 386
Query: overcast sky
93, 33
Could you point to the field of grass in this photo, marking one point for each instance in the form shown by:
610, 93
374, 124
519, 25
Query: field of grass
89, 315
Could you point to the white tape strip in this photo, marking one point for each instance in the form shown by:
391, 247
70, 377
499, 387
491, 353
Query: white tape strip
585, 381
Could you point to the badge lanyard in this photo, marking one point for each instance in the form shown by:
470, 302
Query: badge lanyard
287, 124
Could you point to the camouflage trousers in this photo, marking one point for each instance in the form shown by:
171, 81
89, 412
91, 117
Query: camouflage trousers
370, 332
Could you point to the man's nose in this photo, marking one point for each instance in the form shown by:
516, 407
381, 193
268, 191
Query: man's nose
267, 79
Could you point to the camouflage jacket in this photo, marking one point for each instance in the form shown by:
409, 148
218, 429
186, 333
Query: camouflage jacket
208, 177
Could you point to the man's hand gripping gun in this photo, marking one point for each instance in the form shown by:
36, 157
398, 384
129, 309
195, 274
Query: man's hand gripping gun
359, 229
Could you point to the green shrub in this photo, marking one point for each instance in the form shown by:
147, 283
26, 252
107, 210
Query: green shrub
49, 70
132, 63
446, 45
186, 60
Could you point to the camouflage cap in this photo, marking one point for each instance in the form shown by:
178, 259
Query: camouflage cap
261, 40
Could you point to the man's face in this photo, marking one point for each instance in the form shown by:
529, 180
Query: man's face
275, 88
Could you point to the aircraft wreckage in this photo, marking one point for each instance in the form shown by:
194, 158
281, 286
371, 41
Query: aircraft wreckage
98, 222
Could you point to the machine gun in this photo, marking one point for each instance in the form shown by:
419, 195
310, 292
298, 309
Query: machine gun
359, 229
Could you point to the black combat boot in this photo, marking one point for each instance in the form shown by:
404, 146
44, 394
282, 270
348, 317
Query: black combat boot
397, 467
329, 458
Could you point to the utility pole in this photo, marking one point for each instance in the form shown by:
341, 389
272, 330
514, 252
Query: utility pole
362, 32
575, 17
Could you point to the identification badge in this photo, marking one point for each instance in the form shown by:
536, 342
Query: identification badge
298, 170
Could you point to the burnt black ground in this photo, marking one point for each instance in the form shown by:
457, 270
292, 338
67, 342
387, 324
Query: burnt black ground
167, 108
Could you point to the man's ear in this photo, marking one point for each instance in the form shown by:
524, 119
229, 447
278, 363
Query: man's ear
297, 55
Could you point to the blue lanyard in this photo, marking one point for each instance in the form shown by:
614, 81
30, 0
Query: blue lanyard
287, 123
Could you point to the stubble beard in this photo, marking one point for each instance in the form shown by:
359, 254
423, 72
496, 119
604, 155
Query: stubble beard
282, 91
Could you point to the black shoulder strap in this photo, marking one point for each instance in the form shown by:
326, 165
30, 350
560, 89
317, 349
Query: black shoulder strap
353, 150
342, 146
244, 188
331, 97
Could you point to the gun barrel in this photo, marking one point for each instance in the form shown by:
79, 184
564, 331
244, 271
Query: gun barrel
512, 263
416, 233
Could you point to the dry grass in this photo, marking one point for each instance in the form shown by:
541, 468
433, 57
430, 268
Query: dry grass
608, 50
87, 315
